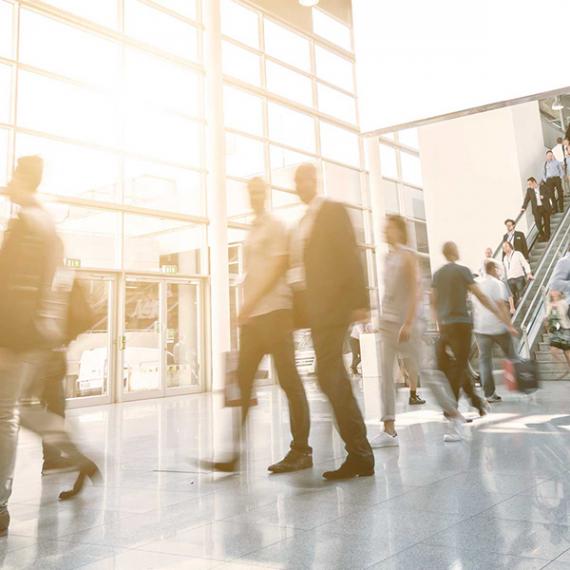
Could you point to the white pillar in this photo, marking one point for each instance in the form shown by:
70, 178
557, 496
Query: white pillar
216, 195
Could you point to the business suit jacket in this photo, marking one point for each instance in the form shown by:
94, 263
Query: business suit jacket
519, 243
530, 198
334, 273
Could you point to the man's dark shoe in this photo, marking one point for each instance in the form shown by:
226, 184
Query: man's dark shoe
4, 520
58, 465
415, 400
350, 469
231, 466
293, 461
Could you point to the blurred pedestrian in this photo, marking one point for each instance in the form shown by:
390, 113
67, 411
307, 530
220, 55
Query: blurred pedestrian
330, 290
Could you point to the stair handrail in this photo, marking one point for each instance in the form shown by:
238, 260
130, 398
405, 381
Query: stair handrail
532, 322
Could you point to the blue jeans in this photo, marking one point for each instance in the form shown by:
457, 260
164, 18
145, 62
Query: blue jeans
486, 342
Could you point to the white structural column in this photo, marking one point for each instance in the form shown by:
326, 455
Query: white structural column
474, 177
369, 343
216, 190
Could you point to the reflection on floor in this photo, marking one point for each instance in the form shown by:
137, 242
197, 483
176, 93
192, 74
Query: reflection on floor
500, 501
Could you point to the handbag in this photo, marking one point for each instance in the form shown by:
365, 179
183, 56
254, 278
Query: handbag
521, 375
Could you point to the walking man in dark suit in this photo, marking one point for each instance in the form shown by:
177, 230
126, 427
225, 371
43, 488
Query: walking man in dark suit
539, 199
327, 273
515, 238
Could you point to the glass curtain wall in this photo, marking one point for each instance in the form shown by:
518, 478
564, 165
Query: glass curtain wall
110, 94
289, 98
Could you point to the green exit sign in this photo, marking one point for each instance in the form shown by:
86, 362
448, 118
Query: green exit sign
169, 268
71, 262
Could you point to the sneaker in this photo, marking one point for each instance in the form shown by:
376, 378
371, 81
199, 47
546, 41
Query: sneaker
350, 469
293, 461
415, 400
385, 440
494, 399
4, 520
455, 433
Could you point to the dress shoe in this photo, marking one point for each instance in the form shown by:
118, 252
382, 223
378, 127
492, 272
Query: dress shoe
231, 466
350, 469
4, 520
293, 461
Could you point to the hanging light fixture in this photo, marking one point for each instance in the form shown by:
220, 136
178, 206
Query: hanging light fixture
557, 105
308, 3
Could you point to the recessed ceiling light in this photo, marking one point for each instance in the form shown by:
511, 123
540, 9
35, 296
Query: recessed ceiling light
308, 3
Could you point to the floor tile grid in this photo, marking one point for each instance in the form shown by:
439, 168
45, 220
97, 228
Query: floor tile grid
426, 539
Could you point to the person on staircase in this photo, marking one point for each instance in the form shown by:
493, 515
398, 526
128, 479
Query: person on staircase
558, 322
517, 271
539, 199
553, 173
516, 238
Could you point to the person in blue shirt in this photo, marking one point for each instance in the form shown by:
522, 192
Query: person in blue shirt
553, 173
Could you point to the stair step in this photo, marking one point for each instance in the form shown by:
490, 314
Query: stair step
560, 367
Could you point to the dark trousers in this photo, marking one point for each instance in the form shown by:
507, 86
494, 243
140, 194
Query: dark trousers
356, 358
542, 220
486, 342
335, 384
52, 394
456, 337
517, 286
273, 334
556, 193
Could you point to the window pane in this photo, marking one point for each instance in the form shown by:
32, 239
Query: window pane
5, 29
161, 30
240, 23
419, 237
161, 82
342, 183
339, 144
242, 111
151, 243
73, 170
237, 199
287, 46
102, 11
357, 218
289, 84
184, 7
388, 136
4, 142
241, 64
411, 168
388, 164
337, 104
160, 187
68, 51
244, 156
391, 199
331, 29
334, 69
280, 199
163, 136
65, 110
291, 128
283, 165
92, 236
5, 93
409, 137
414, 206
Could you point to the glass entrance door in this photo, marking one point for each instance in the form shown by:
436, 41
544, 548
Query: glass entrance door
161, 342
90, 357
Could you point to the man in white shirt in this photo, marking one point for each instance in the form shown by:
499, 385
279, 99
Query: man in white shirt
517, 271
488, 255
489, 329
558, 150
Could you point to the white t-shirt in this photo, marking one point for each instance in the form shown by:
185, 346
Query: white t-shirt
485, 322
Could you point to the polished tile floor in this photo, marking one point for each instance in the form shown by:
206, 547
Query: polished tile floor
501, 500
